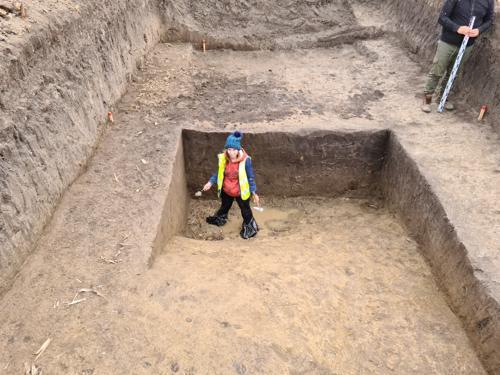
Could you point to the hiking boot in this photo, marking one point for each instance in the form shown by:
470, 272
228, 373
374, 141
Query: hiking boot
217, 220
249, 230
426, 106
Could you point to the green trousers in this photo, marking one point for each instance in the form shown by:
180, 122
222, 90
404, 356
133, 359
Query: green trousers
442, 66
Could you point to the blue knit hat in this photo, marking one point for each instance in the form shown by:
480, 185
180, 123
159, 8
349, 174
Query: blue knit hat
234, 141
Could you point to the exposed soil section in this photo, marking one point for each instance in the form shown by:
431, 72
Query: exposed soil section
237, 17
260, 25
63, 67
114, 220
68, 62
113, 210
409, 194
317, 163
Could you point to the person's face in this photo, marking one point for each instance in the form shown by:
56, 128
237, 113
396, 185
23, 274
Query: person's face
232, 152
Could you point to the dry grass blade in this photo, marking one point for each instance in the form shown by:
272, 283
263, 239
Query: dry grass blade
75, 301
89, 290
140, 171
126, 236
40, 351
110, 261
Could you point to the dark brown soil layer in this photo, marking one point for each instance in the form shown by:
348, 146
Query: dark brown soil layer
318, 163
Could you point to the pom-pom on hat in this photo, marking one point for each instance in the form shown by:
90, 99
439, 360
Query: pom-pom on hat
234, 141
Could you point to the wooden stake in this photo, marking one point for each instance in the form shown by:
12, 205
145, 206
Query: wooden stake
483, 111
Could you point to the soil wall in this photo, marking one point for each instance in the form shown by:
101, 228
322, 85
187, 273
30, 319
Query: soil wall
407, 192
175, 209
295, 164
60, 83
262, 24
416, 23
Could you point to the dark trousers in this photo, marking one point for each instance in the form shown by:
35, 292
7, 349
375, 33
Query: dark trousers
227, 202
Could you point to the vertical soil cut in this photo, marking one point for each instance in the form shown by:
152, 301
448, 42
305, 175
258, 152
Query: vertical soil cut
371, 169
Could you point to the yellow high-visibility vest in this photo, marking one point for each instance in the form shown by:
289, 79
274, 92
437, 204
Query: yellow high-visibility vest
242, 177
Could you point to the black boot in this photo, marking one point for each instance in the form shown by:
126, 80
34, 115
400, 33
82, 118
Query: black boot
217, 220
249, 230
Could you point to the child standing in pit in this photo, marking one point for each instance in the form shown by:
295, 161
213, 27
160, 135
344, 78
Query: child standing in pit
235, 180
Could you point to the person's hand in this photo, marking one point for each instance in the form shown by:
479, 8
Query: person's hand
207, 186
473, 33
464, 30
256, 199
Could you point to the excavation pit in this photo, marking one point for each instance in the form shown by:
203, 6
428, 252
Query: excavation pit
333, 282
316, 164
67, 68
329, 285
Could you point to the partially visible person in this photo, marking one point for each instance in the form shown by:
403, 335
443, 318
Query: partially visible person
455, 18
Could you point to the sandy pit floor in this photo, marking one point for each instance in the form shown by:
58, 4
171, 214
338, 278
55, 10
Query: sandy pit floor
329, 286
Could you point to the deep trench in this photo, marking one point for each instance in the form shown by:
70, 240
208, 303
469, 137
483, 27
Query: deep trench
353, 164
360, 164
